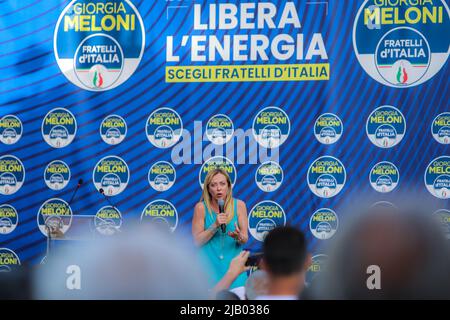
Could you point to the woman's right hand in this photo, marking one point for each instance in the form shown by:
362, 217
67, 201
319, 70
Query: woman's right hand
221, 218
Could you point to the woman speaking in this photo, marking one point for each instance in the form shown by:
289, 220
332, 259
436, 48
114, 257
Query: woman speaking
208, 225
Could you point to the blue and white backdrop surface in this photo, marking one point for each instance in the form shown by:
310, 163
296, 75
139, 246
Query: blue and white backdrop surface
304, 103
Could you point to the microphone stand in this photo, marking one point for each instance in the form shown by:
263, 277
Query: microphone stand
49, 238
49, 233
107, 199
102, 192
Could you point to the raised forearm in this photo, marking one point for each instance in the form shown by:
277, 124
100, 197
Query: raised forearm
203, 237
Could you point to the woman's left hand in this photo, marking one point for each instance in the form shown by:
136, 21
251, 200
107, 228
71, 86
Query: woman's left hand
236, 234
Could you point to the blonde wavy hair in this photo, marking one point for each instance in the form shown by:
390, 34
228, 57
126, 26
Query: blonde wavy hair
206, 196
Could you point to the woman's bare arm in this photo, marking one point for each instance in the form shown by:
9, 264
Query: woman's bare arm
202, 236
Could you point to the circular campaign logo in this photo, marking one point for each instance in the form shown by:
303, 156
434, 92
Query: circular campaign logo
437, 177
59, 128
8, 260
384, 177
111, 174
269, 176
54, 214
164, 127
11, 129
328, 128
402, 44
271, 127
386, 126
57, 175
161, 212
218, 162
8, 218
107, 220
12, 174
113, 129
219, 129
440, 128
323, 223
326, 177
162, 176
98, 45
265, 216
318, 263
443, 217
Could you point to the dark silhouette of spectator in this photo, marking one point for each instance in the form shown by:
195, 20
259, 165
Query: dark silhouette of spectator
16, 284
407, 246
286, 260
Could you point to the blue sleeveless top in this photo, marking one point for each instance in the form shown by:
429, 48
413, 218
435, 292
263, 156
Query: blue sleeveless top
221, 248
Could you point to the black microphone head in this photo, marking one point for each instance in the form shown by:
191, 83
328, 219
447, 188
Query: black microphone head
80, 182
221, 204
101, 190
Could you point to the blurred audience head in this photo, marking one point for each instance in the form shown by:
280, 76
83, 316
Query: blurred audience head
387, 253
146, 262
16, 284
285, 260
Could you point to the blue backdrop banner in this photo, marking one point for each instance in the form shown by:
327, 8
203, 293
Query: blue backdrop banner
304, 104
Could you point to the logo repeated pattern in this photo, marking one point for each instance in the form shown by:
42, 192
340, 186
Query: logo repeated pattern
124, 121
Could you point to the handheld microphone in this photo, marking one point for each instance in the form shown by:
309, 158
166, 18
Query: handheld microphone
221, 203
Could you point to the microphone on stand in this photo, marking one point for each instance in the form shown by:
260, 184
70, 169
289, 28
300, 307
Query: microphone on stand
221, 203
101, 191
49, 228
107, 199
80, 182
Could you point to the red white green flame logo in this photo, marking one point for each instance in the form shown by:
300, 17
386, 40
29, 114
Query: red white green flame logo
402, 75
98, 79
